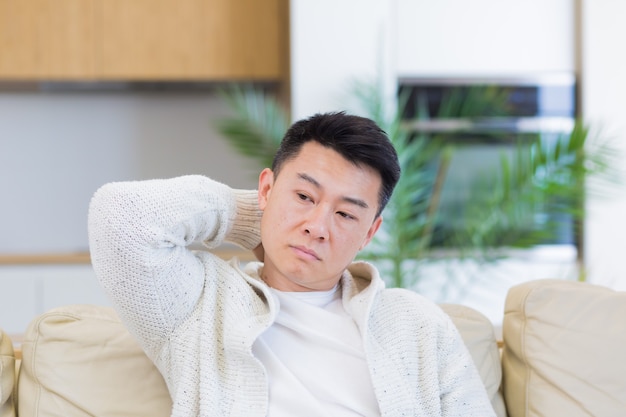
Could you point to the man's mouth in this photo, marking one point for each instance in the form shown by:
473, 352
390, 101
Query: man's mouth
306, 252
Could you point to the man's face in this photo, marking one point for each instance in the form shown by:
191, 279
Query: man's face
317, 214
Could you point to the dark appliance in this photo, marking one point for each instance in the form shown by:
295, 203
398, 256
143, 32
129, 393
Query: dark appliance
484, 118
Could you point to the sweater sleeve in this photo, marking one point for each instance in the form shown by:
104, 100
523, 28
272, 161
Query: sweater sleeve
139, 237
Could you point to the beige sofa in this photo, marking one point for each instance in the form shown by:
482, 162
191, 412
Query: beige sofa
563, 355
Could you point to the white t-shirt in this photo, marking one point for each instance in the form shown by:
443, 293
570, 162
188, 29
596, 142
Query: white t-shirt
314, 358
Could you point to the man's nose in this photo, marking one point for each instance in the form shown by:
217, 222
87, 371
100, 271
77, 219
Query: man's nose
317, 223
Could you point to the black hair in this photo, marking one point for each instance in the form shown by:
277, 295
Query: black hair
358, 139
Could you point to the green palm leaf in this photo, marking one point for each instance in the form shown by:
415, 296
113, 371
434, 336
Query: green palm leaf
257, 125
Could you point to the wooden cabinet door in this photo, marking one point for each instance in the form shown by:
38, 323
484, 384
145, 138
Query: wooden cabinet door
144, 39
190, 39
46, 39
257, 45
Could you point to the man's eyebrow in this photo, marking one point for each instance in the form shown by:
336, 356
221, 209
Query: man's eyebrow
315, 183
309, 179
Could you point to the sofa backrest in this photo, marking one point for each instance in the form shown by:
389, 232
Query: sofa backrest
564, 346
79, 360
479, 336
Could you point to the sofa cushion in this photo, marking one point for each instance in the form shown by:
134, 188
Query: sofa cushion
79, 360
564, 344
7, 376
479, 337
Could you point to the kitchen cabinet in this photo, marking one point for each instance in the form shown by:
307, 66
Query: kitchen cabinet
144, 39
46, 39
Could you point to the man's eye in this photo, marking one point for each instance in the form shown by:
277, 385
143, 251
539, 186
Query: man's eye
303, 197
345, 215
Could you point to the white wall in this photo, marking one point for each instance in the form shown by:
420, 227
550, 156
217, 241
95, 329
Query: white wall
28, 291
604, 89
334, 44
483, 37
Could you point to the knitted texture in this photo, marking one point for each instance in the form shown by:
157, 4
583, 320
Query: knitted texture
197, 316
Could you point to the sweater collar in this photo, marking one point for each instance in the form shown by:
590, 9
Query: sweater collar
360, 283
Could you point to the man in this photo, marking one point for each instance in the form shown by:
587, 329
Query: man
305, 332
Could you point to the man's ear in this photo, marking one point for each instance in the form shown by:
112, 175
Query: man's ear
266, 182
372, 231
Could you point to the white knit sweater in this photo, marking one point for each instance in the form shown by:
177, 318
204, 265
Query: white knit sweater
197, 316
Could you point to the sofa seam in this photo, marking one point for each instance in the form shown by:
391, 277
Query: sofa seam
529, 372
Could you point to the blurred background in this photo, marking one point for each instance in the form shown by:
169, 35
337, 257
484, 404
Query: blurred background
93, 91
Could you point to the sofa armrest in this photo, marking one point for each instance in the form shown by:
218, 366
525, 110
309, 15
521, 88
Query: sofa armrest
7, 376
